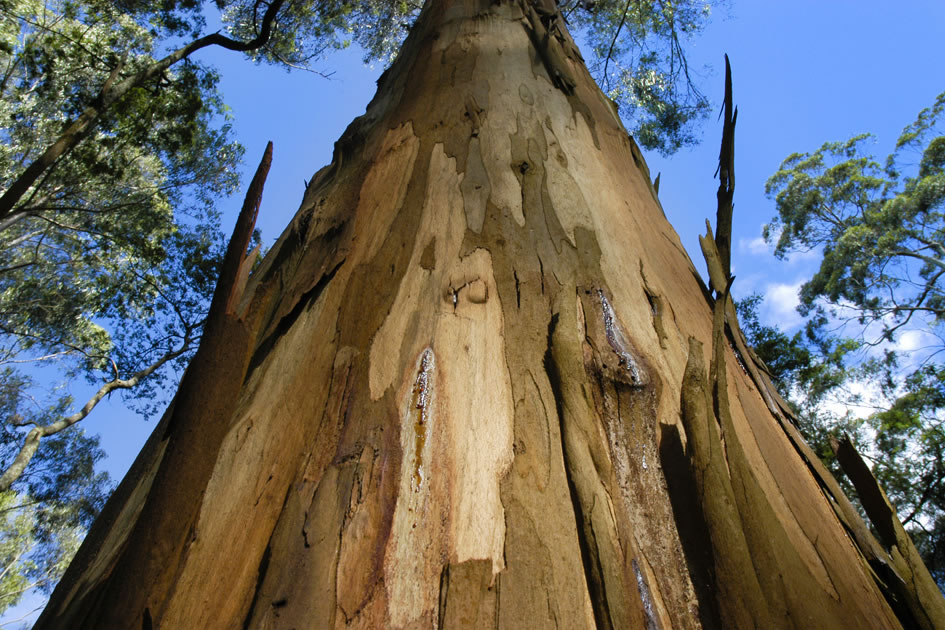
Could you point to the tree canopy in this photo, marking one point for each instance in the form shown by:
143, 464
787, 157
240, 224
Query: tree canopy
637, 49
109, 257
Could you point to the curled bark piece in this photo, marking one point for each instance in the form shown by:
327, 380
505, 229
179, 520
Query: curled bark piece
924, 599
551, 53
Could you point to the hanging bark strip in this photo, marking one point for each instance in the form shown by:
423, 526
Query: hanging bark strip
897, 570
726, 173
189, 435
912, 582
733, 574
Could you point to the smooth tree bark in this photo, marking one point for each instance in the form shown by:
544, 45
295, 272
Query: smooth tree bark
478, 382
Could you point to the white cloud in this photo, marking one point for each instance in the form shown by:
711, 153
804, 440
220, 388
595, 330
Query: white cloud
915, 346
912, 340
781, 301
755, 246
759, 247
857, 397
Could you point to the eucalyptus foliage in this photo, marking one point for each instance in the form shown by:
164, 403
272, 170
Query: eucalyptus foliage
640, 61
108, 260
880, 230
43, 521
26, 561
117, 241
637, 49
304, 31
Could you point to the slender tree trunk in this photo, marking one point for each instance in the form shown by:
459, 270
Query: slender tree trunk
478, 382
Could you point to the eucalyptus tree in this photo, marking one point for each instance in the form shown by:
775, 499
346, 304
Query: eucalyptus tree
477, 382
112, 157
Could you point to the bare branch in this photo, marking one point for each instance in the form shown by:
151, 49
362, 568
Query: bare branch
613, 42
111, 92
32, 440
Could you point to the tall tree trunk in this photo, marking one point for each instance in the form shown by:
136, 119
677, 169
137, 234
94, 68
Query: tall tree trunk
478, 382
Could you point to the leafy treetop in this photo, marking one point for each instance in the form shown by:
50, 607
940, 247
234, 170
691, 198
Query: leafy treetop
881, 232
637, 47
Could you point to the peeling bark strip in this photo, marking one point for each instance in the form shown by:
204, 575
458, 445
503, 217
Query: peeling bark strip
154, 545
738, 593
549, 43
922, 596
726, 173
462, 396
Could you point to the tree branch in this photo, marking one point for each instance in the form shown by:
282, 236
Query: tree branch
31, 443
929, 259
111, 92
613, 42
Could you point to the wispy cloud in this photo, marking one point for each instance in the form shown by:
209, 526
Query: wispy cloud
914, 340
755, 246
795, 258
759, 247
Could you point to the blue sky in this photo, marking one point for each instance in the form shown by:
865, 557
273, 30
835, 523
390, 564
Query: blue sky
805, 72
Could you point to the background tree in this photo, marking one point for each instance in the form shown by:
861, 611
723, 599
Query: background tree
57, 497
108, 259
880, 231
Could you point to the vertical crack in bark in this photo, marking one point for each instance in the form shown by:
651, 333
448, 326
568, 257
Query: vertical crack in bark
264, 565
444, 594
285, 323
585, 532
518, 291
260, 578
656, 308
